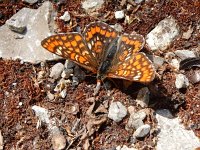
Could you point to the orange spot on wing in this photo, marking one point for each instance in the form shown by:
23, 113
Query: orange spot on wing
55, 43
89, 35
81, 45
108, 34
48, 40
138, 57
72, 56
67, 44
93, 30
60, 42
135, 63
120, 72
77, 50
98, 29
74, 43
82, 59
114, 34
124, 38
103, 32
64, 38
78, 37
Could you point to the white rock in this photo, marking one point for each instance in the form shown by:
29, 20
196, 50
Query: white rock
66, 16
63, 93
92, 5
143, 97
119, 14
30, 1
41, 113
56, 70
142, 131
38, 24
117, 111
163, 34
181, 81
175, 63
184, 54
138, 1
172, 135
136, 120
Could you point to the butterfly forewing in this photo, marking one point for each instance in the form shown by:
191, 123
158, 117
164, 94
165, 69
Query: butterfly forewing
136, 68
98, 36
71, 46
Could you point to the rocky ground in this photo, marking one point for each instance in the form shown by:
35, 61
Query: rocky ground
47, 102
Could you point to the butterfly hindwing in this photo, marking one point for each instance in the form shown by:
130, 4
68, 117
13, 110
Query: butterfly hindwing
136, 68
71, 46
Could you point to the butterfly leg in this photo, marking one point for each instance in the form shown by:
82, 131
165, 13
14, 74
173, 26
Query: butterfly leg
97, 88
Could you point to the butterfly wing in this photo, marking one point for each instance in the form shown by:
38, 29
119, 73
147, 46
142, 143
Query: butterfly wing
98, 36
73, 47
129, 63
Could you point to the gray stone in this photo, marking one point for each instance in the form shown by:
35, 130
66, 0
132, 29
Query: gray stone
142, 131
56, 70
143, 97
118, 27
181, 81
39, 24
163, 34
63, 93
138, 1
69, 64
184, 54
117, 111
30, 1
17, 24
92, 5
66, 73
195, 77
119, 14
173, 135
136, 120
66, 16
158, 61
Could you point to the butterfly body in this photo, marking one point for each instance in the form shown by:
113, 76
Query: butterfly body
103, 51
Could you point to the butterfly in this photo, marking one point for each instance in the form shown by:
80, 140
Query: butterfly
101, 50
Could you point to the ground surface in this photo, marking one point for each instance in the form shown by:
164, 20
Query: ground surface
19, 84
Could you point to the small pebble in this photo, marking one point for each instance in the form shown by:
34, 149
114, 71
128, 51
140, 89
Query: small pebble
63, 93
69, 64
1, 141
136, 120
158, 61
184, 54
56, 70
181, 81
195, 78
16, 25
142, 131
30, 1
175, 63
50, 96
58, 140
66, 16
119, 14
143, 97
117, 111
66, 73
138, 1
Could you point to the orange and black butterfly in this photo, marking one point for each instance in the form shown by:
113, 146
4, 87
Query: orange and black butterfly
101, 50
